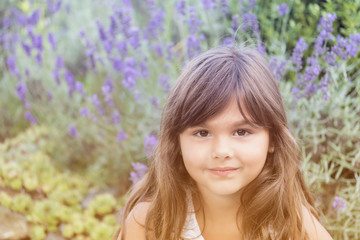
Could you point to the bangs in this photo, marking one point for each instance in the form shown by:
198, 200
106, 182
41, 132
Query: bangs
209, 82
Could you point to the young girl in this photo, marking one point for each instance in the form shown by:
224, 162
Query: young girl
226, 165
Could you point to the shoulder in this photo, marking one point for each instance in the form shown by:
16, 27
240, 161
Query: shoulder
135, 222
313, 227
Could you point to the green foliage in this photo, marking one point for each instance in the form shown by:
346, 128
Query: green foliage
52, 200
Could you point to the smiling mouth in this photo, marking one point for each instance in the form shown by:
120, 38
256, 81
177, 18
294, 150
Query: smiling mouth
223, 171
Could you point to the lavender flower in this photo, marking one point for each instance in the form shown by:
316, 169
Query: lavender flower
38, 59
155, 26
115, 116
21, 92
296, 57
235, 24
224, 6
138, 173
34, 18
84, 111
228, 41
193, 41
70, 80
180, 7
96, 102
73, 131
251, 4
277, 67
53, 7
52, 41
250, 21
164, 83
149, 144
345, 48
313, 69
325, 28
283, 9
130, 73
59, 63
121, 136
56, 77
26, 48
339, 204
30, 117
208, 4
12, 66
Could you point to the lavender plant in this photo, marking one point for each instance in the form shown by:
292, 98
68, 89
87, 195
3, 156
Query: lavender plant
96, 73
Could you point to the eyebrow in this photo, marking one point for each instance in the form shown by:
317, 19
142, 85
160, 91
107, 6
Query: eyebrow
233, 124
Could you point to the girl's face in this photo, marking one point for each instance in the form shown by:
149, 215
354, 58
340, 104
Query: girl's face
224, 154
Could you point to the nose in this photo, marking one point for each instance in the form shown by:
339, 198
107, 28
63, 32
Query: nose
222, 149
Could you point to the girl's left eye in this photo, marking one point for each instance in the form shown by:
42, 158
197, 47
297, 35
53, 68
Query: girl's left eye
241, 132
202, 133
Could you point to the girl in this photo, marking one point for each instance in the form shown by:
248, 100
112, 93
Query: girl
226, 165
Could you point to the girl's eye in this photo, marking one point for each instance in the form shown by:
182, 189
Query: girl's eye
202, 133
241, 132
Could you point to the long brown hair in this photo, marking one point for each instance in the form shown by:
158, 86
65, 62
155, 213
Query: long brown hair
272, 203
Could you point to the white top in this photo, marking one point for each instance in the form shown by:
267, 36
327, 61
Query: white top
191, 229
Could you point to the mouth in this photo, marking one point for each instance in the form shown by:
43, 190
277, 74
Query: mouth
223, 171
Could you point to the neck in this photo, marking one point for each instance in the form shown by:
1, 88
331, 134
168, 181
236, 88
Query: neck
217, 208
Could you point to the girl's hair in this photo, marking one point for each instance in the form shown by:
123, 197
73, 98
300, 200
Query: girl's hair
271, 205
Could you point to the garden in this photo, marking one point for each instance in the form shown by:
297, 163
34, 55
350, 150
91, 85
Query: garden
83, 83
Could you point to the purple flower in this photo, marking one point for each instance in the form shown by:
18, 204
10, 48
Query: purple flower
96, 102
121, 136
52, 41
53, 7
164, 83
101, 31
134, 38
250, 21
324, 83
208, 4
34, 18
235, 24
115, 116
251, 4
330, 58
296, 57
38, 59
228, 41
117, 63
30, 117
84, 111
155, 102
21, 92
355, 38
277, 67
12, 66
193, 21
155, 26
158, 49
344, 48
70, 80
59, 63
106, 91
130, 73
339, 204
73, 131
224, 6
26, 48
180, 7
326, 29
313, 69
149, 144
138, 173
56, 77
283, 9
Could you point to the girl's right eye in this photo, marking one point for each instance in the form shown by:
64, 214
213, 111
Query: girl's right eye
202, 133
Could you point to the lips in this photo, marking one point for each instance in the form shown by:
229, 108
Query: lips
225, 171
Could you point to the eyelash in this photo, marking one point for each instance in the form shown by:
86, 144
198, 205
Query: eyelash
246, 132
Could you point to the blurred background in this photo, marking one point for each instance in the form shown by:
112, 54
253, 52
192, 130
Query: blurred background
82, 85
